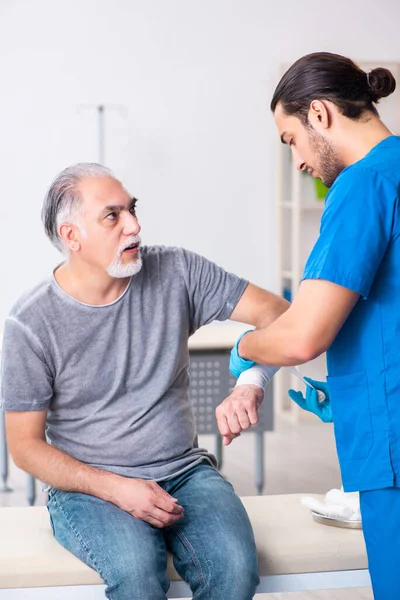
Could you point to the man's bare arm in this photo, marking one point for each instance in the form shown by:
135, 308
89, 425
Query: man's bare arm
145, 500
259, 307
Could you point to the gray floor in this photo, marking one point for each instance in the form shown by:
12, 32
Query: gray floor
355, 594
299, 457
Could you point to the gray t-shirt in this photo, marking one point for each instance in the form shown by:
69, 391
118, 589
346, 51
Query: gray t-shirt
114, 378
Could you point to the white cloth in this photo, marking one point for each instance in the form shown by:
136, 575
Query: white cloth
337, 504
259, 375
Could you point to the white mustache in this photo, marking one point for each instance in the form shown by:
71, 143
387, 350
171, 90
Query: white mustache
133, 240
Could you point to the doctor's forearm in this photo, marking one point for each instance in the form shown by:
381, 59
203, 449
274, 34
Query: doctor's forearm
305, 330
277, 345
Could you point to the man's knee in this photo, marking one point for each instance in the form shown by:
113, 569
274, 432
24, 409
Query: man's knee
236, 568
139, 581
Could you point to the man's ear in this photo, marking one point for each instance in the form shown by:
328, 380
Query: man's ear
69, 234
319, 115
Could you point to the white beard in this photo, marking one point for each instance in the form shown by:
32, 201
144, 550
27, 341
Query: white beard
118, 269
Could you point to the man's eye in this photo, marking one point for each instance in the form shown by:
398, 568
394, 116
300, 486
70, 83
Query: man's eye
132, 210
112, 216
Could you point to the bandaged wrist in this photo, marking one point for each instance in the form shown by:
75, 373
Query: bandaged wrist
238, 364
259, 375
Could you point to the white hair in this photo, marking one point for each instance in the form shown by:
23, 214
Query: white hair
63, 202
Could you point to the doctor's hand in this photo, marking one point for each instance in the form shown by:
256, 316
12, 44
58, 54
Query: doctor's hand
239, 411
310, 402
237, 364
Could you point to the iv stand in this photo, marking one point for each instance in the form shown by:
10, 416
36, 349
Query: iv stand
101, 110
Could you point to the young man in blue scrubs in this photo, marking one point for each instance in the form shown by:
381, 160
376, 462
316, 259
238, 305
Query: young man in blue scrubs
348, 302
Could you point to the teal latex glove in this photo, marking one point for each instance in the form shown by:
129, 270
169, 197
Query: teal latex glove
237, 364
323, 410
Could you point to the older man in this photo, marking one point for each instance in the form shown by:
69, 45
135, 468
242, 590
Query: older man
95, 388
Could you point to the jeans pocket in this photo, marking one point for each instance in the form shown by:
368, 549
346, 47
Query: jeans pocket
351, 415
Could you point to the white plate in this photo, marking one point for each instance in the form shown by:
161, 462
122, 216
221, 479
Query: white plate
335, 521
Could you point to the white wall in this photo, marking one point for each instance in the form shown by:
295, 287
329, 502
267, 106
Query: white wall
198, 144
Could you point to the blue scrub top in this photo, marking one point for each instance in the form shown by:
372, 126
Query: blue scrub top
359, 249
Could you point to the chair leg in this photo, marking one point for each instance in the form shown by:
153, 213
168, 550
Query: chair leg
3, 455
259, 466
218, 450
31, 490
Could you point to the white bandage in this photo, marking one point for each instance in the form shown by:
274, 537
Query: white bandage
259, 375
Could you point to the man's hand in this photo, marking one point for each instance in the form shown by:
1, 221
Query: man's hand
239, 411
323, 410
147, 501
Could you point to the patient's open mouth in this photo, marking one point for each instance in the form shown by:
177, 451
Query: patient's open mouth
132, 248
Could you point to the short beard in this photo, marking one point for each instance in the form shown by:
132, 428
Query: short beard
329, 165
118, 269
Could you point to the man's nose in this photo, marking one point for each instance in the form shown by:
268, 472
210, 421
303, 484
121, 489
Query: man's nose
131, 225
298, 161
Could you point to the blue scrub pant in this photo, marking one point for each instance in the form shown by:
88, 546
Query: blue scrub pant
380, 511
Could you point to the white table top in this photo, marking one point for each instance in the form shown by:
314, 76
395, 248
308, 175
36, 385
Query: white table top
217, 336
287, 539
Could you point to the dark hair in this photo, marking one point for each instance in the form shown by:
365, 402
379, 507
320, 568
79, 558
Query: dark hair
326, 76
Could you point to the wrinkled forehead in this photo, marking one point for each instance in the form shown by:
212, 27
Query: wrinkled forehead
98, 192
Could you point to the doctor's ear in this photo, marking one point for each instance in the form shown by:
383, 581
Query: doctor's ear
319, 114
69, 234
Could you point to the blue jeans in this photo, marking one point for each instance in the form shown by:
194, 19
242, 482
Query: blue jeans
212, 546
